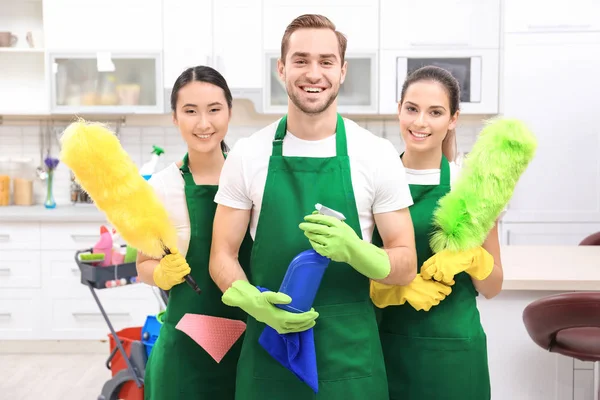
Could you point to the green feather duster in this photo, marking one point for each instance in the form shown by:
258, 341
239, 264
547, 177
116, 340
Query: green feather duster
485, 186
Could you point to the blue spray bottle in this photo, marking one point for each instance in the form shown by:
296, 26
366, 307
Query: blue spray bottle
303, 277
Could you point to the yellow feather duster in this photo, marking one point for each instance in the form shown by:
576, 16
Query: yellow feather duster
107, 173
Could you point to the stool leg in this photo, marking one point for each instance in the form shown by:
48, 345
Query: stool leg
597, 380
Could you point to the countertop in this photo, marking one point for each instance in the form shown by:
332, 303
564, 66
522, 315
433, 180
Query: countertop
551, 268
62, 213
560, 268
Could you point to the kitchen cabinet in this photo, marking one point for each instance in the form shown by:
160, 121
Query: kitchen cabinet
357, 20
103, 25
547, 83
237, 43
22, 65
538, 16
187, 42
41, 295
229, 39
106, 82
439, 24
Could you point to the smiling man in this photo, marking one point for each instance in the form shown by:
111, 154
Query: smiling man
272, 181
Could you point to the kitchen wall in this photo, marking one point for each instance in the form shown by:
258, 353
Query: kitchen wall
21, 138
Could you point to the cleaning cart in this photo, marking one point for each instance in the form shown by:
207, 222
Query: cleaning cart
130, 347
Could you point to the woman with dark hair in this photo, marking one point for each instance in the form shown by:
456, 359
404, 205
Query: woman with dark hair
178, 368
435, 346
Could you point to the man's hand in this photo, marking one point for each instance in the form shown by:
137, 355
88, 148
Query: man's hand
261, 306
336, 240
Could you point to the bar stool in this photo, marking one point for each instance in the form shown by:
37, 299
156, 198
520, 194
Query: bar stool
569, 323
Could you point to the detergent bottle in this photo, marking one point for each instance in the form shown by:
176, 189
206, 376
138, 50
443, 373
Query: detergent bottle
303, 276
151, 166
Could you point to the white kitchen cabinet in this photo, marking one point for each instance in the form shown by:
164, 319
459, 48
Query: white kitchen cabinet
439, 24
22, 65
109, 82
188, 40
545, 234
237, 42
539, 16
357, 20
547, 83
104, 25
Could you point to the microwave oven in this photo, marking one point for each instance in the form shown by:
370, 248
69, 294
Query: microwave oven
477, 72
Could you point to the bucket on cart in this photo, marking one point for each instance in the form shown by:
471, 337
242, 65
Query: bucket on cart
129, 390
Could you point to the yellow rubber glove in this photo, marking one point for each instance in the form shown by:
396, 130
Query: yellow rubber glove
171, 270
444, 265
421, 294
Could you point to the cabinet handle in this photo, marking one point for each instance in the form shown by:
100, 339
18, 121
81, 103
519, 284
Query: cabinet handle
84, 238
75, 271
439, 44
5, 315
4, 271
5, 237
559, 26
97, 314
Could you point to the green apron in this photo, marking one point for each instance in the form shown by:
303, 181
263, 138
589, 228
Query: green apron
178, 368
349, 357
439, 354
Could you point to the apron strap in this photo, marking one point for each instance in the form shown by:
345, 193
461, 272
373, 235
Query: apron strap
445, 171
188, 178
341, 144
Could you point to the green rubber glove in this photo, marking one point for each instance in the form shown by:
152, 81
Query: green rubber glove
260, 305
336, 240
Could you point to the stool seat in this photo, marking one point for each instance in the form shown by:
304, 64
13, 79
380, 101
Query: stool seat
567, 323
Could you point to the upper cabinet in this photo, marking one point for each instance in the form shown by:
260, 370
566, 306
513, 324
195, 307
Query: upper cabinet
539, 16
103, 25
439, 24
357, 20
107, 83
187, 42
237, 41
228, 38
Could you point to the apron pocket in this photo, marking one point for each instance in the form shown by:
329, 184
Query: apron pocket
344, 341
435, 368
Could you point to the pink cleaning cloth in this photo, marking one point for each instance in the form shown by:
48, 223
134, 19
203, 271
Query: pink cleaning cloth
216, 335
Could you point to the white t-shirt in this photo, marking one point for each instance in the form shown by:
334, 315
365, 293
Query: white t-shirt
430, 176
170, 188
378, 177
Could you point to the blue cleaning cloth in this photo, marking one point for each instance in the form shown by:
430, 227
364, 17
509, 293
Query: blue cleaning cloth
295, 351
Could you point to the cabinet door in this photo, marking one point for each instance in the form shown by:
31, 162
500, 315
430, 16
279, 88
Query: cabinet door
548, 86
107, 25
439, 24
188, 36
533, 16
358, 22
238, 43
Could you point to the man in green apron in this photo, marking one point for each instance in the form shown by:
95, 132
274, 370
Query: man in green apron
273, 179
